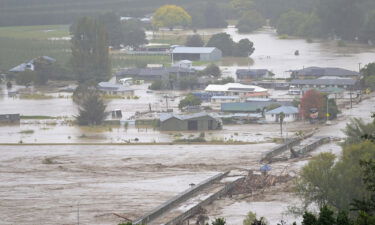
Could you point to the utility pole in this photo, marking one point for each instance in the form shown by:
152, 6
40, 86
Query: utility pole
327, 114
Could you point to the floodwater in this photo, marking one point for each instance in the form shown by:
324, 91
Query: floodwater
277, 54
45, 184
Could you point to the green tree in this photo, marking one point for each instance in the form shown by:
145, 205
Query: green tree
92, 109
171, 16
368, 73
219, 221
325, 182
309, 219
281, 120
343, 218
356, 129
333, 110
250, 218
368, 30
213, 17
222, 41
290, 23
326, 216
212, 70
43, 70
250, 21
244, 48
194, 41
112, 24
189, 100
134, 34
157, 85
90, 55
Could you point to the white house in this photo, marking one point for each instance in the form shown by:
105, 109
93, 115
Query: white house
115, 89
237, 89
184, 64
196, 53
290, 112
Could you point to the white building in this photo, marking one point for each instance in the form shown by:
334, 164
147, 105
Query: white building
237, 89
290, 112
115, 89
196, 53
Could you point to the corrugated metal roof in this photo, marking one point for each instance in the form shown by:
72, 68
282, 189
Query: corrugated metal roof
225, 97
164, 117
326, 71
193, 50
244, 106
284, 109
234, 87
324, 82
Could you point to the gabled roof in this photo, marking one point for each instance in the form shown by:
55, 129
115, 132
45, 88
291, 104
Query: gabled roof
234, 87
193, 50
244, 106
252, 72
324, 82
284, 109
164, 117
30, 65
325, 71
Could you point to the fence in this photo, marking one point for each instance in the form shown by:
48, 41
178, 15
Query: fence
177, 199
194, 210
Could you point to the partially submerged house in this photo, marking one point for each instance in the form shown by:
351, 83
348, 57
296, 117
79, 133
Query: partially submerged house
347, 84
237, 89
248, 75
30, 64
317, 72
196, 54
224, 99
290, 112
115, 89
189, 122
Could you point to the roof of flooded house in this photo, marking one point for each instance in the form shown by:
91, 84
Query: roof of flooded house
326, 71
225, 97
193, 50
113, 87
284, 109
30, 65
244, 106
324, 82
164, 117
252, 72
234, 87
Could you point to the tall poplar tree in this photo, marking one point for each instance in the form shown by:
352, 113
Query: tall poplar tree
90, 54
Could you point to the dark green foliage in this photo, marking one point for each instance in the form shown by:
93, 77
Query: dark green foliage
189, 100
296, 23
113, 26
223, 42
133, 34
91, 109
213, 17
343, 218
244, 48
309, 219
326, 216
356, 129
333, 110
187, 82
90, 55
368, 73
250, 21
368, 30
219, 221
212, 70
194, 41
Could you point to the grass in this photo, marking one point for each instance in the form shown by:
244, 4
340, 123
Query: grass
35, 32
35, 96
121, 60
26, 131
38, 117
